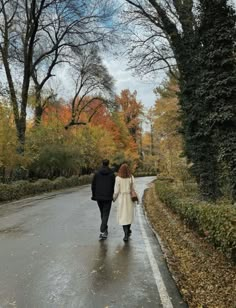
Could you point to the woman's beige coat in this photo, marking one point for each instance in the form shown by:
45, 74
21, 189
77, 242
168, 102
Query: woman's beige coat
125, 212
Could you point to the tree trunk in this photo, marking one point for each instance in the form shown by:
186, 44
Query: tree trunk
38, 112
21, 129
152, 141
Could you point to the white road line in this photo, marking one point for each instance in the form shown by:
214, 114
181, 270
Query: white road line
165, 299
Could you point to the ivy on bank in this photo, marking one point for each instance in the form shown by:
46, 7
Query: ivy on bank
207, 98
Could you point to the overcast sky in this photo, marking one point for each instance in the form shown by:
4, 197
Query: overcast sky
124, 79
127, 79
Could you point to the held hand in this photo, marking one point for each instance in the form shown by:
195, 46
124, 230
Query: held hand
115, 196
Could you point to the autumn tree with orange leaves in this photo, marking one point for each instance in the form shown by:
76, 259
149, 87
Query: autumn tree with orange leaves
131, 110
124, 125
80, 149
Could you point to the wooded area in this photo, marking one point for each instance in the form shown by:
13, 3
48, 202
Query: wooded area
195, 40
192, 126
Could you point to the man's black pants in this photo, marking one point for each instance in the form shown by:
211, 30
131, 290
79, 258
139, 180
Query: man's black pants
105, 207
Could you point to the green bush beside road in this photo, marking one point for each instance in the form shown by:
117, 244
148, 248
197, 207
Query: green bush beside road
22, 189
215, 222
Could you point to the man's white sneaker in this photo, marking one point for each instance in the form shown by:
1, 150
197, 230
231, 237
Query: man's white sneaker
103, 235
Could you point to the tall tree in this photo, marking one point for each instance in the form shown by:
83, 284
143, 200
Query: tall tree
217, 91
168, 141
74, 24
172, 24
9, 158
150, 116
92, 83
176, 23
35, 36
131, 110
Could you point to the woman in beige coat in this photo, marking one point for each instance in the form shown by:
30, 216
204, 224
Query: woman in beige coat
125, 213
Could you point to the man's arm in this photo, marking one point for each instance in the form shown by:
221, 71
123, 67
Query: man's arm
113, 181
93, 186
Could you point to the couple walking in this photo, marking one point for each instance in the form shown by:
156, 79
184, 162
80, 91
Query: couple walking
107, 188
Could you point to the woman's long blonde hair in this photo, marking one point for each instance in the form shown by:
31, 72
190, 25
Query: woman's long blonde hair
124, 171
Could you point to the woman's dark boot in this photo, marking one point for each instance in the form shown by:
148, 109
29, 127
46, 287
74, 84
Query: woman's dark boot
126, 231
129, 230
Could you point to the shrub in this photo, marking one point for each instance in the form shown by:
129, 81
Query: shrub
21, 189
216, 222
53, 161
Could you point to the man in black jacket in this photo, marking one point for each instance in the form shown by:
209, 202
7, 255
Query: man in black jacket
102, 191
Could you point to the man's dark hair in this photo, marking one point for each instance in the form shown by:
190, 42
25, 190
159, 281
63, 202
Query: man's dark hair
105, 162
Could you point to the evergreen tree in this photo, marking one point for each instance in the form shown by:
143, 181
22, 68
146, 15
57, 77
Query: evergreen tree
203, 47
217, 90
199, 148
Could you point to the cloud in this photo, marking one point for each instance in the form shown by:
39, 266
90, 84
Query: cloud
232, 2
125, 79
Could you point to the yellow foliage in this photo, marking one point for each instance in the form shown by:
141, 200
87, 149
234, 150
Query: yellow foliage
168, 141
9, 159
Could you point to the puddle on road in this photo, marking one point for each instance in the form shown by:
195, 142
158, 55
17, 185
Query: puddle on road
13, 230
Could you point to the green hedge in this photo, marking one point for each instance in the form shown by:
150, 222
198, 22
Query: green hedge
216, 222
22, 189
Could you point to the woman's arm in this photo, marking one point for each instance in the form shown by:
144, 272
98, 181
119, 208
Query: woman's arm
116, 189
132, 182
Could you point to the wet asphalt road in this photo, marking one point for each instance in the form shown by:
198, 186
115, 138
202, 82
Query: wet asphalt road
50, 256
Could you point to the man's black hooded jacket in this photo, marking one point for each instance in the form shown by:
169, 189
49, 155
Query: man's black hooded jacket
103, 184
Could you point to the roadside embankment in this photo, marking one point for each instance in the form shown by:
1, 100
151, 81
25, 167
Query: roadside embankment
205, 276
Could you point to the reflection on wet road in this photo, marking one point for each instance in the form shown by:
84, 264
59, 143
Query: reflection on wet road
50, 256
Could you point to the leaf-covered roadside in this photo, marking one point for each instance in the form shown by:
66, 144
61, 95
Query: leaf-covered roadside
204, 276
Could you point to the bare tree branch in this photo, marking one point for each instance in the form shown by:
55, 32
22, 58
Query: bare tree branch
92, 83
37, 35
